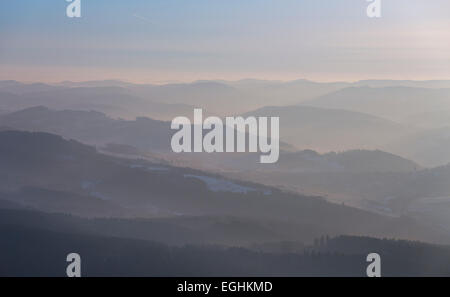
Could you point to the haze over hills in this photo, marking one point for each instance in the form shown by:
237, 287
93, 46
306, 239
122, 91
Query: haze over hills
93, 127
226, 97
429, 120
114, 101
306, 127
94, 83
326, 129
124, 99
392, 193
144, 135
216, 97
430, 84
18, 88
285, 93
142, 192
390, 99
430, 147
49, 162
120, 99
351, 176
224, 139
394, 103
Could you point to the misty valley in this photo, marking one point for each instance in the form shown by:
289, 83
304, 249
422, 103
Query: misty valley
89, 168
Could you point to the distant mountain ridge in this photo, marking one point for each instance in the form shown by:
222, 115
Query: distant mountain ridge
394, 102
93, 127
114, 101
325, 129
217, 96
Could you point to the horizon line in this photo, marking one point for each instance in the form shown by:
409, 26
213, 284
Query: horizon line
169, 82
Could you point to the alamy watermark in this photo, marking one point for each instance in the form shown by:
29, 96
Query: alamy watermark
73, 10
74, 267
374, 268
254, 129
374, 9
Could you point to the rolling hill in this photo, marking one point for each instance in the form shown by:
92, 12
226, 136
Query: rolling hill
48, 162
394, 103
325, 129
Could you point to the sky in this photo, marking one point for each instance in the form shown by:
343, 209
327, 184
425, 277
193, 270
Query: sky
157, 41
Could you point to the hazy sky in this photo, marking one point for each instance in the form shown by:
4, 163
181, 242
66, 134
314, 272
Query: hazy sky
186, 40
